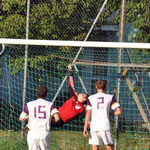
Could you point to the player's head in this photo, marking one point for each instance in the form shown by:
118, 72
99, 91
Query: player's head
101, 84
82, 97
41, 91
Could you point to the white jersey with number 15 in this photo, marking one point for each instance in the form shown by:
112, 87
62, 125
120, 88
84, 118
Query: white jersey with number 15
39, 113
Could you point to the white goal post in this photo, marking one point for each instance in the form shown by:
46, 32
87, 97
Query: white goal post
6, 41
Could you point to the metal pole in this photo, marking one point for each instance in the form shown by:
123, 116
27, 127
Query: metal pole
76, 69
87, 36
73, 63
89, 32
3, 48
59, 88
26, 61
137, 78
122, 26
107, 64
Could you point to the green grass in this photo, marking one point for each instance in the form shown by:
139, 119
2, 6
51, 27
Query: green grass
134, 141
73, 140
12, 141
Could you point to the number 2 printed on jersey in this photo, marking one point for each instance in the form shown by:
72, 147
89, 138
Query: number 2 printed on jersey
100, 102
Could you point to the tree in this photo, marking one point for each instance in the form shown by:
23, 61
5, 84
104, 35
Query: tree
55, 20
12, 18
67, 20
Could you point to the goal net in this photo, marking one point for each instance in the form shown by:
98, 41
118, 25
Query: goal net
125, 69
39, 38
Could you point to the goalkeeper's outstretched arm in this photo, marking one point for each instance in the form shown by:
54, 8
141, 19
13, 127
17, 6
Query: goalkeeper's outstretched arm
72, 91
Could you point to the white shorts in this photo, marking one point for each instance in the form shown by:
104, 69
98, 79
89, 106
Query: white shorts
38, 140
101, 137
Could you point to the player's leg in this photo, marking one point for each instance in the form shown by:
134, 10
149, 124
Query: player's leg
95, 140
33, 141
95, 147
110, 147
107, 138
45, 140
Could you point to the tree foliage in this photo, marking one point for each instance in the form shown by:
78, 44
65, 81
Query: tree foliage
138, 12
60, 19
69, 19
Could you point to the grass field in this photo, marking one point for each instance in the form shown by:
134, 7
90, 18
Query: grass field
12, 141
73, 140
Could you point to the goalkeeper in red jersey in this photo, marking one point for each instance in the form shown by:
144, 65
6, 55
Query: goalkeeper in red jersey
73, 106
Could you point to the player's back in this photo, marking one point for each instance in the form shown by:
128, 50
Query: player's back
39, 114
100, 103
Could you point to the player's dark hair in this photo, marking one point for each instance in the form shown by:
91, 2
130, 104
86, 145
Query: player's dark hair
41, 91
101, 84
86, 94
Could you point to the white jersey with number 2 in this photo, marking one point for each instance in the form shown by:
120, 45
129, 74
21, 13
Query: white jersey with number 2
100, 104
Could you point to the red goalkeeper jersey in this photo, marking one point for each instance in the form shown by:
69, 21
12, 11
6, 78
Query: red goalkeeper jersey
70, 109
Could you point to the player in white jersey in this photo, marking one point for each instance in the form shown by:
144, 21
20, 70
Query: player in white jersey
98, 112
39, 113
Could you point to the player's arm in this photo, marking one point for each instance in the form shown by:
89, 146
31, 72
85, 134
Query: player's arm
116, 107
56, 117
87, 119
55, 114
25, 114
116, 112
71, 83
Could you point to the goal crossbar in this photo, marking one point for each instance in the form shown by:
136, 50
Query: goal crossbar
6, 41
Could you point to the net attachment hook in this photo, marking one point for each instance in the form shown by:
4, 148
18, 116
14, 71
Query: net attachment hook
3, 48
